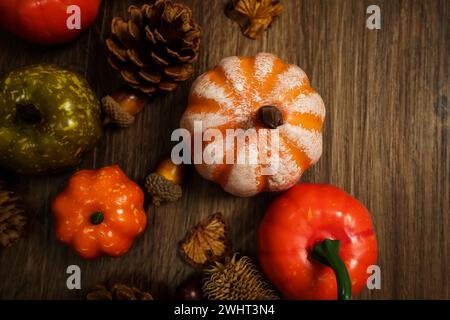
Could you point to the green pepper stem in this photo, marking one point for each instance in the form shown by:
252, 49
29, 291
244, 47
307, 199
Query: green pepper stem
327, 253
97, 218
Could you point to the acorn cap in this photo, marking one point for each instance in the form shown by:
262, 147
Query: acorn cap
236, 279
115, 112
162, 189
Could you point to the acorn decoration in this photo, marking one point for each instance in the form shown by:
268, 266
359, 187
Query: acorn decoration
121, 107
236, 279
12, 217
118, 291
154, 48
207, 242
164, 185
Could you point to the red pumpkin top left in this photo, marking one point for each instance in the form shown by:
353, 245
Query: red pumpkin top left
49, 21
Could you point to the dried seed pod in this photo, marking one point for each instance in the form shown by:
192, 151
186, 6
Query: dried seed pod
253, 16
207, 242
236, 279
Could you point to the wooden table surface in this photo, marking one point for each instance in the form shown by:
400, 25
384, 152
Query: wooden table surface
386, 141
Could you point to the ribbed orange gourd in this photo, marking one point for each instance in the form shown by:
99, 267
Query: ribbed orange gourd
260, 92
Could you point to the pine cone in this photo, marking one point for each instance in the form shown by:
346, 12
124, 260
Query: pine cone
236, 279
12, 218
118, 292
154, 49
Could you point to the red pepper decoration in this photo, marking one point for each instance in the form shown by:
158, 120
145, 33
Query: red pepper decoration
45, 22
316, 242
100, 212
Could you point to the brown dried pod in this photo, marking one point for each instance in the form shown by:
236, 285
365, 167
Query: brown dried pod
253, 16
236, 279
207, 242
154, 48
118, 291
12, 217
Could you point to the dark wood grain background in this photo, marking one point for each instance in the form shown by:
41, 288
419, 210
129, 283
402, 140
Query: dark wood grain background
386, 141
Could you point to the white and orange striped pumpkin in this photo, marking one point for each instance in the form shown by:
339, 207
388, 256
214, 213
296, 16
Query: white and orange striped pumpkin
231, 96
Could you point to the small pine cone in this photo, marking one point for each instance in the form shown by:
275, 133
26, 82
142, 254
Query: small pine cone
118, 292
12, 218
154, 49
162, 189
236, 280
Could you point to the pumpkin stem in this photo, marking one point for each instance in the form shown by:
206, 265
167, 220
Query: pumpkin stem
270, 116
327, 253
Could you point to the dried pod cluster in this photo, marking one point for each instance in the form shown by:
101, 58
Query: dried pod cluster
225, 277
236, 279
153, 50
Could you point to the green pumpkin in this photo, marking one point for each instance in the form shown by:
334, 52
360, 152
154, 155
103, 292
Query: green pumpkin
48, 118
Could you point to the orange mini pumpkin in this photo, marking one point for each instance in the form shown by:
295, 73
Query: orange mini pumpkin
260, 92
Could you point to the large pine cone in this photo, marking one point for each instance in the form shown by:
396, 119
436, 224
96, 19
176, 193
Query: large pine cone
154, 49
12, 218
118, 292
